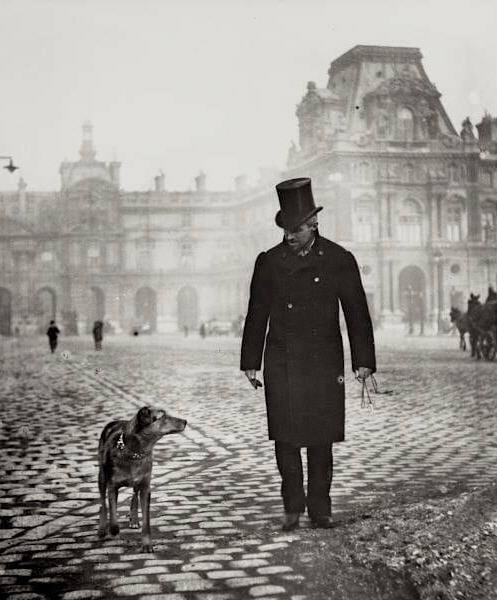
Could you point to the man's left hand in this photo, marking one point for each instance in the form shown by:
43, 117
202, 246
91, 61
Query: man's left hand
363, 373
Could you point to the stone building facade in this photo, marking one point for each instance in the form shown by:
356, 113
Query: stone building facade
415, 201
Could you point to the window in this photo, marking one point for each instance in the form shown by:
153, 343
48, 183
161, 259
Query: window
361, 172
186, 248
383, 127
186, 219
408, 173
486, 177
410, 223
93, 254
405, 125
365, 222
488, 224
144, 254
6, 261
112, 254
186, 254
454, 173
454, 223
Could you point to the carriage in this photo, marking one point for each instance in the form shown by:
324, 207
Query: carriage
480, 321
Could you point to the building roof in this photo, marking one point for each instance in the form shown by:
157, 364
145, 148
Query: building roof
376, 53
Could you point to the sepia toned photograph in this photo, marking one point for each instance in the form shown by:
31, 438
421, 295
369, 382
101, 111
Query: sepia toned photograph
248, 300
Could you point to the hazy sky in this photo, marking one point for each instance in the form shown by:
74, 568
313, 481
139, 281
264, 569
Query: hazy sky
184, 85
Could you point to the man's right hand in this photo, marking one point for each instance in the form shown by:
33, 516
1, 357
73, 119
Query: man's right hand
251, 375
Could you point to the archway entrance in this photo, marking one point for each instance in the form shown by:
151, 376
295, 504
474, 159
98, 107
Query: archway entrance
412, 295
45, 307
5, 311
146, 307
187, 308
97, 304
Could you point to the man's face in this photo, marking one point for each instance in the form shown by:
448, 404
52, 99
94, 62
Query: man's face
300, 237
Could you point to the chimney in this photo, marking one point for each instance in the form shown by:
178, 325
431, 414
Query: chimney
487, 134
241, 184
159, 182
200, 182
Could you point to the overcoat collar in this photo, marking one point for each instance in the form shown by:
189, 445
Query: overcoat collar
292, 262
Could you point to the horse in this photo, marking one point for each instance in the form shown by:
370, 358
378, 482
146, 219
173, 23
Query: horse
492, 295
461, 323
482, 320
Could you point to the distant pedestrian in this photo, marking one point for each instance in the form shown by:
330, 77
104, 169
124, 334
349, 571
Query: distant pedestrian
185, 329
53, 333
202, 330
98, 334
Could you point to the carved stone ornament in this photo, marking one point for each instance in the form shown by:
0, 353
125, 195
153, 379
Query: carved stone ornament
362, 139
449, 141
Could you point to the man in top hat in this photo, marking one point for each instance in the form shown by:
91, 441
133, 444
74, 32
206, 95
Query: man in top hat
297, 286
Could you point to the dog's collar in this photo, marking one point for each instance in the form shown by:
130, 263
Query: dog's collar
121, 446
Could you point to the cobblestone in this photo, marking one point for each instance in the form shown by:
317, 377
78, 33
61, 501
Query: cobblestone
216, 507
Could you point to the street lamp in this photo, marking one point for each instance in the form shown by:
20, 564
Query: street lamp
11, 167
438, 257
410, 316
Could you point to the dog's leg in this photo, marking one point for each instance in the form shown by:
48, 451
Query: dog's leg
145, 506
113, 493
102, 488
134, 521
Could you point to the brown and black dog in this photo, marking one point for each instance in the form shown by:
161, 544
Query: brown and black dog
125, 460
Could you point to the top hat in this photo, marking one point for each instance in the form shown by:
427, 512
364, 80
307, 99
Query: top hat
296, 202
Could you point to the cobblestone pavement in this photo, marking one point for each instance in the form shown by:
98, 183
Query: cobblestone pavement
216, 507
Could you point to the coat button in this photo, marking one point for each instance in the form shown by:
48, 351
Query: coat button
316, 279
320, 252
290, 305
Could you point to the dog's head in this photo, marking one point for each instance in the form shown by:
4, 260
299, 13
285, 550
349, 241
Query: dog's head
156, 422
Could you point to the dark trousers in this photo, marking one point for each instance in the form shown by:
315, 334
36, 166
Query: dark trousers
319, 476
53, 343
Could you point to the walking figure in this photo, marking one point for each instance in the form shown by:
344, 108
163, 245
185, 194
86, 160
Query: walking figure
297, 286
53, 333
98, 334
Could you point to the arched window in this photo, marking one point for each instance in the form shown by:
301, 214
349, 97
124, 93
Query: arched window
383, 127
405, 124
410, 223
365, 221
454, 222
489, 223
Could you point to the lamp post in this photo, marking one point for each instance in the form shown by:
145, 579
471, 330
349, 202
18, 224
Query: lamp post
410, 293
11, 167
487, 262
438, 258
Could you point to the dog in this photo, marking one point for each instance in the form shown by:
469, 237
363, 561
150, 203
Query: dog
125, 460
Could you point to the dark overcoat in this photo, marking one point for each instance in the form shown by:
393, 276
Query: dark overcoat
303, 356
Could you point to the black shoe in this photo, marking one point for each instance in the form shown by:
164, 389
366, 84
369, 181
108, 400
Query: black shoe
324, 522
291, 521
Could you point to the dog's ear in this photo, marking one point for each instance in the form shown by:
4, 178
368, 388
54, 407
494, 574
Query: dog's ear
144, 417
